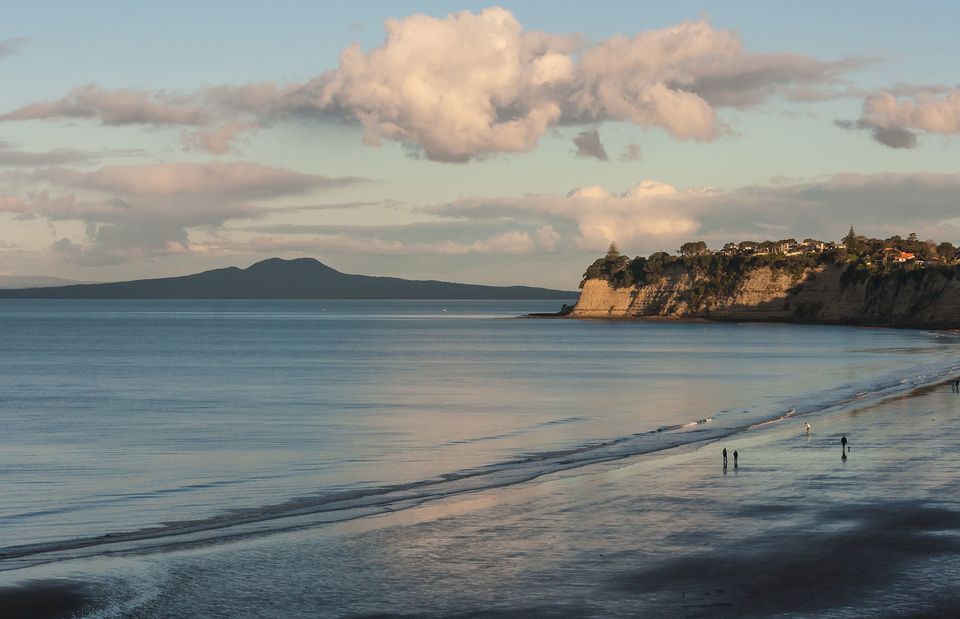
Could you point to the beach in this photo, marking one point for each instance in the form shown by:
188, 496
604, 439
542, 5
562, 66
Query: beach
793, 530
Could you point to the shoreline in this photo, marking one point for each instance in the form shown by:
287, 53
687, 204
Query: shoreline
791, 519
318, 510
946, 328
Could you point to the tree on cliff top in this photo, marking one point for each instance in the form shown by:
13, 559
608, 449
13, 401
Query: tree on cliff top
693, 248
612, 267
850, 239
854, 243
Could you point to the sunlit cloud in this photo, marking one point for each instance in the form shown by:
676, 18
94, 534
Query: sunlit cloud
470, 85
894, 116
655, 215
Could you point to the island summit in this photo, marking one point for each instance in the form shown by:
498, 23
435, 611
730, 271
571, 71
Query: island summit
275, 278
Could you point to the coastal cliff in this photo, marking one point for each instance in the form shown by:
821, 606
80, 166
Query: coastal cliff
816, 293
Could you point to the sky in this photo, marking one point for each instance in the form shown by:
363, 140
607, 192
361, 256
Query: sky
483, 143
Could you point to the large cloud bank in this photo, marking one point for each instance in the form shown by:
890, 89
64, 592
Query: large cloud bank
473, 84
219, 208
654, 215
142, 211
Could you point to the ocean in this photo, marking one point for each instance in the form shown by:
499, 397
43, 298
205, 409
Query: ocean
346, 458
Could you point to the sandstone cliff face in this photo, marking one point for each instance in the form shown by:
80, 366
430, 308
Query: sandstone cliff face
668, 297
927, 299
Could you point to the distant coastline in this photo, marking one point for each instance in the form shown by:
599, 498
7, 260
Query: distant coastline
275, 278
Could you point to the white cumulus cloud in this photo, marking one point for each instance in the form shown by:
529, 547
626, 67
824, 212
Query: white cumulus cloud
469, 85
895, 115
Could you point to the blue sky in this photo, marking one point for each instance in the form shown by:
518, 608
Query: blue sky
499, 206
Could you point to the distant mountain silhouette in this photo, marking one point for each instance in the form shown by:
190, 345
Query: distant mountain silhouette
303, 278
34, 281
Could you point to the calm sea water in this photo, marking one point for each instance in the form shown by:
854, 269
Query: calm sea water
124, 415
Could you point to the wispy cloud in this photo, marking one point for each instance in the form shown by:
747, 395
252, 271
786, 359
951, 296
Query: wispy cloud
235, 180
10, 156
632, 152
143, 211
9, 47
509, 243
221, 139
116, 107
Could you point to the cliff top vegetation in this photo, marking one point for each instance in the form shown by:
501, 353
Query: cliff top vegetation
721, 269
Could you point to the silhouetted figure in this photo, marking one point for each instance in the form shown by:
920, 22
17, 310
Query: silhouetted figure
843, 446
807, 430
735, 456
956, 386
724, 457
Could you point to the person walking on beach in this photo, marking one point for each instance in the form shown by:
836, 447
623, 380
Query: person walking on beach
807, 431
843, 446
956, 385
735, 456
724, 457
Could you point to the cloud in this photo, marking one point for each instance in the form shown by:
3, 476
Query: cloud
675, 77
631, 152
470, 85
236, 180
509, 243
9, 47
656, 215
458, 87
893, 136
218, 140
423, 238
11, 204
648, 217
926, 110
893, 113
115, 107
329, 206
562, 230
145, 211
593, 216
589, 145
11, 157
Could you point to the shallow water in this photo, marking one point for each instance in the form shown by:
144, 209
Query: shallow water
125, 415
794, 530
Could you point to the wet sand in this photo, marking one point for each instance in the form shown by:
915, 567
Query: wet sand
794, 530
45, 598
